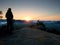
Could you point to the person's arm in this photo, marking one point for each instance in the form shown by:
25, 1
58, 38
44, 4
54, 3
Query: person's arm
11, 15
6, 15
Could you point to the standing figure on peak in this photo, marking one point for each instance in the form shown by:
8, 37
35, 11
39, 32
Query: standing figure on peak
9, 17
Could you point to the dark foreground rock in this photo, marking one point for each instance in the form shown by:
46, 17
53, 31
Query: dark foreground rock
28, 36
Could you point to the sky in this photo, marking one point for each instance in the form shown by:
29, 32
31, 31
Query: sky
32, 9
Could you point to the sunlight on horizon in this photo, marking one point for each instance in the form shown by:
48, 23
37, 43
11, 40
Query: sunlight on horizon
31, 15
27, 18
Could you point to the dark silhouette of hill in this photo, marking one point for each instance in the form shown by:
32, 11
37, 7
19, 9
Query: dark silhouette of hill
29, 36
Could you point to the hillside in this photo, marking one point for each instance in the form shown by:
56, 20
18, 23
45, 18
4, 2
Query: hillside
29, 36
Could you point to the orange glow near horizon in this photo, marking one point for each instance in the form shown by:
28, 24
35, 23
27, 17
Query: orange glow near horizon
31, 15
27, 18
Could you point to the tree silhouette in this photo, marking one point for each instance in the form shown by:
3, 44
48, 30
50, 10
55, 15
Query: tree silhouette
1, 15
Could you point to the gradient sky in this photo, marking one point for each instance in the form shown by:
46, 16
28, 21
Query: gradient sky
33, 9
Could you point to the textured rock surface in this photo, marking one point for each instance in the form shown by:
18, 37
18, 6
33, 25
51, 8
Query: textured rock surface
29, 36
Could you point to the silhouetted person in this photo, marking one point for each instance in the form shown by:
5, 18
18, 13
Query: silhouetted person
9, 17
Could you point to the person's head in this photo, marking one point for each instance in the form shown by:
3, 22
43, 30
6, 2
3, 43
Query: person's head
9, 9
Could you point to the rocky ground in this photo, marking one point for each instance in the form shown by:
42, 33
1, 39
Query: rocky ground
30, 36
